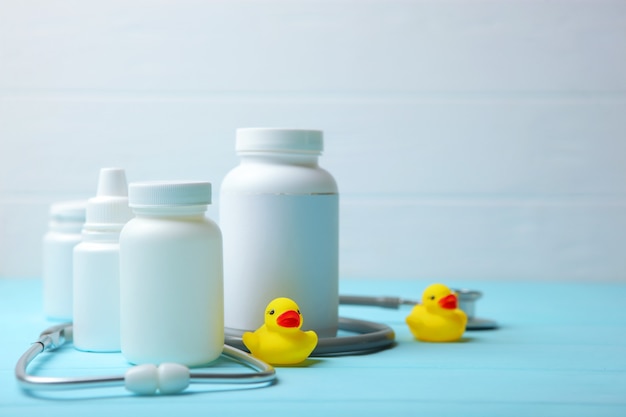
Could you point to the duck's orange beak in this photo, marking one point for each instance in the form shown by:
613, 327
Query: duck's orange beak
449, 302
289, 318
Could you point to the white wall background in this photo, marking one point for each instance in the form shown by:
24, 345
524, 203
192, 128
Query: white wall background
471, 139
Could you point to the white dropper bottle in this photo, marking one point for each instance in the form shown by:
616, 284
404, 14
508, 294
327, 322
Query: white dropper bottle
96, 266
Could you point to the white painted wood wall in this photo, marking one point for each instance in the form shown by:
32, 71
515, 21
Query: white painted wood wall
471, 139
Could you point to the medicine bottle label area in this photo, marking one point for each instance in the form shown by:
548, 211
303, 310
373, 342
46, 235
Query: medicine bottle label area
292, 253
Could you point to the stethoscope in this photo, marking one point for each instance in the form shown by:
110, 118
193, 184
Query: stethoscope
170, 378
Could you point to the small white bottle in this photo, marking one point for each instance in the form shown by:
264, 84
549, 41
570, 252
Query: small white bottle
171, 288
96, 266
279, 215
66, 222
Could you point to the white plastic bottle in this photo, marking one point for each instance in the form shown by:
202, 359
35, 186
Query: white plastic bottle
66, 222
171, 288
279, 215
96, 266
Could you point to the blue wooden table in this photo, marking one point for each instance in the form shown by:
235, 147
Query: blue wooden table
560, 351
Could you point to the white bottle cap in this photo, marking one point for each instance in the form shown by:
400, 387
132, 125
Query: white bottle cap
73, 211
110, 205
285, 140
169, 193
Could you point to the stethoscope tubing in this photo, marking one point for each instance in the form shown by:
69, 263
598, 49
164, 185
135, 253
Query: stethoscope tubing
467, 301
56, 336
370, 337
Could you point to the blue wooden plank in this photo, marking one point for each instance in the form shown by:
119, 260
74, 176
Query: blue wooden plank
545, 360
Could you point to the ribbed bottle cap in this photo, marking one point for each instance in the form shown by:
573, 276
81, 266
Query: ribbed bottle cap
109, 210
110, 205
68, 211
285, 140
169, 193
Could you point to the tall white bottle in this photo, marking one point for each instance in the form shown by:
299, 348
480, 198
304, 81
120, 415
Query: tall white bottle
279, 215
64, 233
96, 266
172, 301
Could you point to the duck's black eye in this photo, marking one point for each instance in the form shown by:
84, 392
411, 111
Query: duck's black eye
432, 297
299, 312
271, 312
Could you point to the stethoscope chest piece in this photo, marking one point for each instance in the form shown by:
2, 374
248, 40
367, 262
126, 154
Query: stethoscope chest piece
467, 303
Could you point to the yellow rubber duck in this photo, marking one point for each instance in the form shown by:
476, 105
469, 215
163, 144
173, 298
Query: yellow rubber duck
437, 318
279, 341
